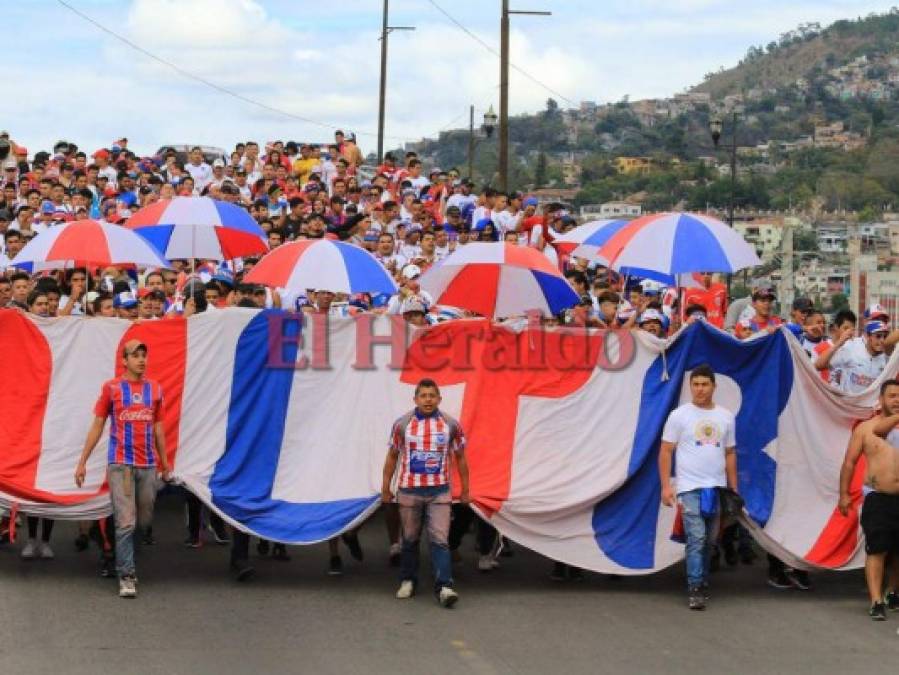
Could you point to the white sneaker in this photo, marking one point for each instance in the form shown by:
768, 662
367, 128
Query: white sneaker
44, 551
485, 563
406, 590
127, 587
447, 597
29, 551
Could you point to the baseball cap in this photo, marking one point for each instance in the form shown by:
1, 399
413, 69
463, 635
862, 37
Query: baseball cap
411, 272
370, 235
126, 300
650, 315
48, 207
453, 211
132, 346
219, 162
803, 305
760, 293
875, 311
529, 201
876, 327
482, 223
413, 304
102, 152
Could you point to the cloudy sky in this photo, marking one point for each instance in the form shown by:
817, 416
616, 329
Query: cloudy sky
314, 64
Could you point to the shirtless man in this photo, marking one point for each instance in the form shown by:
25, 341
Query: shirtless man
878, 439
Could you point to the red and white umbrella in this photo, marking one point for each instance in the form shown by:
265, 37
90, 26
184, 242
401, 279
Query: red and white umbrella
89, 242
499, 280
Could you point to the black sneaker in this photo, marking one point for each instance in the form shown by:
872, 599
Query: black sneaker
351, 539
107, 568
242, 570
559, 572
148, 538
892, 601
82, 542
799, 579
335, 566
506, 551
878, 611
262, 548
696, 600
279, 552
779, 581
219, 532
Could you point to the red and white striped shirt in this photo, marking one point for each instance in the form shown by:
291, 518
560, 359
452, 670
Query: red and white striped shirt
424, 443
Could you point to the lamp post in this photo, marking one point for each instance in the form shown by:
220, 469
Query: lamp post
382, 94
716, 125
488, 126
504, 91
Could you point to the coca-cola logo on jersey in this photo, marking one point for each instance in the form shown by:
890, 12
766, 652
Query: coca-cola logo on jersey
136, 415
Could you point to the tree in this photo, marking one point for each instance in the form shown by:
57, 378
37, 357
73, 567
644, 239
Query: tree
552, 108
540, 170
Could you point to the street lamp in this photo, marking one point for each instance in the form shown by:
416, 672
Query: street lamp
489, 121
488, 126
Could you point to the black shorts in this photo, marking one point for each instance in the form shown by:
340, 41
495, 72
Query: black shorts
880, 523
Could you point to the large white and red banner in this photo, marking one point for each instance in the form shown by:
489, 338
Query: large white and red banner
280, 424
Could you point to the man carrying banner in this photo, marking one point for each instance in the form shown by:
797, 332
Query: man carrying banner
134, 404
702, 434
878, 439
421, 442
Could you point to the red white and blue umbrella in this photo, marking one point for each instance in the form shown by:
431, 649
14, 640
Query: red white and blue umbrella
88, 242
585, 240
677, 243
322, 264
499, 280
199, 227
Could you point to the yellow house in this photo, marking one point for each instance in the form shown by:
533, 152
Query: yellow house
633, 165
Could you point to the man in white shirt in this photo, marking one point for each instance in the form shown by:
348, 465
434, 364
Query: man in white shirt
703, 434
859, 361
198, 169
102, 157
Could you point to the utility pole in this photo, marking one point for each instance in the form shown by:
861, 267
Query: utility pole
504, 91
382, 95
471, 143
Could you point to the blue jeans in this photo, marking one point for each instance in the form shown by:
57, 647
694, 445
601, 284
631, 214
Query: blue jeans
133, 493
700, 533
429, 505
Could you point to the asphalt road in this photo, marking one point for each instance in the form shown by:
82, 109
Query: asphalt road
60, 617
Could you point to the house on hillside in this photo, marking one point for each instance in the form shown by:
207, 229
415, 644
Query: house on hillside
633, 165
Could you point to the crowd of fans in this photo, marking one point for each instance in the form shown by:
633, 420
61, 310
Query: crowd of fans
408, 216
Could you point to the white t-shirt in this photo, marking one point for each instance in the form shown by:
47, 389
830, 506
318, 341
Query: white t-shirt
702, 436
506, 221
853, 369
201, 173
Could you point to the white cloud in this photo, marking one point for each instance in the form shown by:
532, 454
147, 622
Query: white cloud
320, 61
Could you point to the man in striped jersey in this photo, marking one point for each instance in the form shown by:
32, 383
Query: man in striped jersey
136, 450
421, 442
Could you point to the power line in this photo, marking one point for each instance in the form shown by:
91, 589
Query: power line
208, 83
493, 51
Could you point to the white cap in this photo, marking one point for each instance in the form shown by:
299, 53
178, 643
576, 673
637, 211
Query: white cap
650, 315
219, 162
411, 271
413, 304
